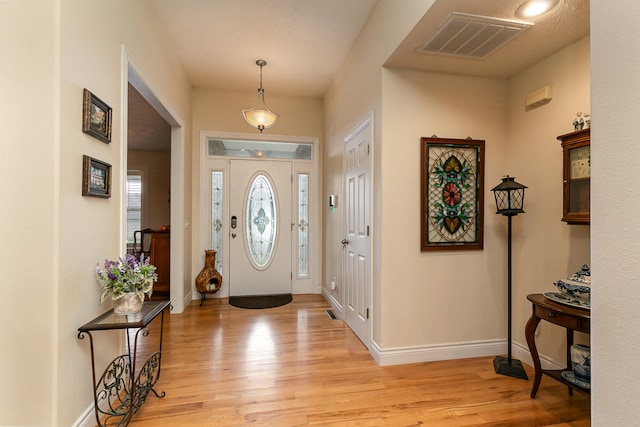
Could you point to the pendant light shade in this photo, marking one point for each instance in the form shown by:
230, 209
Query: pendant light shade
260, 117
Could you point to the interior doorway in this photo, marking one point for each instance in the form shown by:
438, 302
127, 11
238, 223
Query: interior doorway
148, 195
171, 197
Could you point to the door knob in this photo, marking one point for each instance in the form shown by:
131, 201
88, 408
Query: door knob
233, 235
345, 241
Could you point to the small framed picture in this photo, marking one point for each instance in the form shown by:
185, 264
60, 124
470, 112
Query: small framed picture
96, 117
96, 177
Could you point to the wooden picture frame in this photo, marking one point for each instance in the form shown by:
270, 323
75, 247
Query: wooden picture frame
451, 194
96, 117
96, 177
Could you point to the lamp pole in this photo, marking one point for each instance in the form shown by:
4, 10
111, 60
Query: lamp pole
509, 286
509, 197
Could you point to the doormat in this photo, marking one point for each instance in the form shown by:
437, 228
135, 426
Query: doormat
260, 301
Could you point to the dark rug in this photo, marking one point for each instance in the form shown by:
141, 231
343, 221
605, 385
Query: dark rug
260, 301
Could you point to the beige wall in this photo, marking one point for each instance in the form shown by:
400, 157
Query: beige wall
413, 290
29, 215
59, 235
615, 61
545, 249
87, 221
354, 95
221, 111
438, 297
157, 168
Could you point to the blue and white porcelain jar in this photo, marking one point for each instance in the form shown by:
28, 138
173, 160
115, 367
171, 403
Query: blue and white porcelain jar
581, 361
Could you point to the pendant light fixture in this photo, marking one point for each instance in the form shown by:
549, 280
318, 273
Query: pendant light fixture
260, 117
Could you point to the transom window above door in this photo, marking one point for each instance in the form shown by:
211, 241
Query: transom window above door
259, 149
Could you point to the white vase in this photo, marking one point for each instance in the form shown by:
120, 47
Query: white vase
130, 303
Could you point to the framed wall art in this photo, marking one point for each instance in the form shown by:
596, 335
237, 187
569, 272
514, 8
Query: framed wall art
96, 117
451, 194
96, 177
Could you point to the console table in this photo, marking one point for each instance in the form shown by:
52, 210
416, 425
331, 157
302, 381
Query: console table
121, 390
573, 319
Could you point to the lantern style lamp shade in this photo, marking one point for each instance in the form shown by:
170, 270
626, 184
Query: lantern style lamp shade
260, 116
509, 197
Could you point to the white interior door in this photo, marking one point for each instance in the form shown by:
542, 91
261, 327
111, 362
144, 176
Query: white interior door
260, 227
357, 243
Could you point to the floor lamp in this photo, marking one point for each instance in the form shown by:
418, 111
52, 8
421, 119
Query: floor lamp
509, 202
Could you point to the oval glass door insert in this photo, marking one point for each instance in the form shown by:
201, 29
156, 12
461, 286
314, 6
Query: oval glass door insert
261, 221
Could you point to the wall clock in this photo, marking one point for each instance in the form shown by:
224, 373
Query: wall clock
576, 173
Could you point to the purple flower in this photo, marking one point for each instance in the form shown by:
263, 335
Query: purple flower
143, 260
125, 275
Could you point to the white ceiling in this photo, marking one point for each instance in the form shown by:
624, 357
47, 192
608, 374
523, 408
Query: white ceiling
303, 41
306, 41
565, 24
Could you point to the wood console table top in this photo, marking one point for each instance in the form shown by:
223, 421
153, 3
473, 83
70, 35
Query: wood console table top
109, 320
571, 318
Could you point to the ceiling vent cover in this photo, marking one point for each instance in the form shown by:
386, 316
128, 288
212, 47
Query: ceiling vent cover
471, 36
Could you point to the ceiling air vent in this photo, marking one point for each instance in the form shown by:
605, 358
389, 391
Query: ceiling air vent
471, 36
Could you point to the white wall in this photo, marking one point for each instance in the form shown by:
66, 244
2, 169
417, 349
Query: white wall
615, 62
52, 236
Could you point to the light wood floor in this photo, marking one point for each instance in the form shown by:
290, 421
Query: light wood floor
294, 366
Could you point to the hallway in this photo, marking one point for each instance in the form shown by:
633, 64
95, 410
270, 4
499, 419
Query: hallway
294, 366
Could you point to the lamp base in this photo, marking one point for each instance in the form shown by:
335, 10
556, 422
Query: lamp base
512, 368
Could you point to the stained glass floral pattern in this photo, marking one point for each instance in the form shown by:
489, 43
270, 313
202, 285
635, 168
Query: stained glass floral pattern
261, 221
216, 217
303, 225
452, 176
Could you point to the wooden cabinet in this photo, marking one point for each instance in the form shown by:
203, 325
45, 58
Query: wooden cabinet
576, 175
159, 255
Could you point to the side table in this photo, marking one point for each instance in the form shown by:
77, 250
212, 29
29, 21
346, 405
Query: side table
573, 319
121, 390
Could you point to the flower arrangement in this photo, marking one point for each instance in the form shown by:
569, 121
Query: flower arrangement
125, 276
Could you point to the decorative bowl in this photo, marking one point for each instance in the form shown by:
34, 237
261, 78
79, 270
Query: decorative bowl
576, 287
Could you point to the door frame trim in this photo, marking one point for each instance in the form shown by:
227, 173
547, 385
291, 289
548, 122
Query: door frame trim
133, 73
202, 212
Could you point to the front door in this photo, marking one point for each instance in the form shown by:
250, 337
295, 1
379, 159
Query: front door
260, 227
357, 244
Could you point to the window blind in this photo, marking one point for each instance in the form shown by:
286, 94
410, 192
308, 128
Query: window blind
134, 203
